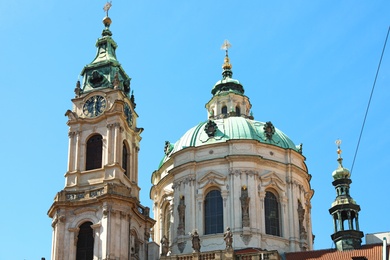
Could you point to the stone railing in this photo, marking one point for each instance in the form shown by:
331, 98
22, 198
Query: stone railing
109, 188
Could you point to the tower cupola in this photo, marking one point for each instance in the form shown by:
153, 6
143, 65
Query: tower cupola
227, 83
228, 93
104, 71
344, 210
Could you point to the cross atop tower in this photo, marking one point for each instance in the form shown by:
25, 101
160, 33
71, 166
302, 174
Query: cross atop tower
226, 46
107, 7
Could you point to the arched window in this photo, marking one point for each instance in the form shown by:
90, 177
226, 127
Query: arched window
272, 226
134, 245
166, 221
125, 160
85, 242
224, 110
94, 152
238, 111
213, 213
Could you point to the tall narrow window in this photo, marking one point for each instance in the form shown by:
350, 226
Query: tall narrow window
85, 242
272, 225
167, 221
125, 160
94, 152
213, 212
224, 110
238, 111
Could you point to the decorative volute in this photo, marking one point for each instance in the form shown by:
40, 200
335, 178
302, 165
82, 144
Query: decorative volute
228, 93
345, 210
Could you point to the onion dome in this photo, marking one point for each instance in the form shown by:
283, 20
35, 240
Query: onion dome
340, 172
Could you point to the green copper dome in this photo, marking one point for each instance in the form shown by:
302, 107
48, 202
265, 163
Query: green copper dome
231, 128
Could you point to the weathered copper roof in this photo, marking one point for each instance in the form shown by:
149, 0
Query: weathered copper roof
370, 252
231, 128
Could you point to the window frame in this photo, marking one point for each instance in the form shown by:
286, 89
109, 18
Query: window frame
126, 159
85, 236
213, 220
272, 223
94, 152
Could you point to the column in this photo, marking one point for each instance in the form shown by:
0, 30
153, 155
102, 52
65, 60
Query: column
350, 224
357, 221
109, 144
341, 224
291, 228
334, 223
77, 155
71, 152
96, 240
116, 144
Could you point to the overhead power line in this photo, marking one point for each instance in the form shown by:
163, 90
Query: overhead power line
369, 100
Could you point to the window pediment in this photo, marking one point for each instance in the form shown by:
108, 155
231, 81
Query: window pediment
271, 179
212, 178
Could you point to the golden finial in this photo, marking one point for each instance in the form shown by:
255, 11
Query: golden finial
226, 46
338, 143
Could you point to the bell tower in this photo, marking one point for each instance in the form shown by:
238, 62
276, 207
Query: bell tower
98, 214
344, 210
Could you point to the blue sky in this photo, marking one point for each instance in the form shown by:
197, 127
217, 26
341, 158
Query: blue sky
307, 66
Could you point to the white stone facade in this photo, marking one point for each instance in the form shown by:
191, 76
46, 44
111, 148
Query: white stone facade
229, 166
106, 196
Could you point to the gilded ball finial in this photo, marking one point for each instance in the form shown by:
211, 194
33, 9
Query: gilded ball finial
340, 172
338, 143
226, 46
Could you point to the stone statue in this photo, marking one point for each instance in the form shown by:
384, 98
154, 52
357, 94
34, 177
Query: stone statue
228, 237
164, 246
301, 216
245, 206
181, 208
195, 241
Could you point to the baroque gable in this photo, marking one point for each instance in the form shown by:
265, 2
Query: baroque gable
212, 178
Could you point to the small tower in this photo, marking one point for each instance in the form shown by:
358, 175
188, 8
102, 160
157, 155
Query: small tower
98, 214
228, 98
344, 210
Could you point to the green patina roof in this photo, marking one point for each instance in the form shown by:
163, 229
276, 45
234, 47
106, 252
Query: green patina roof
227, 85
231, 128
105, 71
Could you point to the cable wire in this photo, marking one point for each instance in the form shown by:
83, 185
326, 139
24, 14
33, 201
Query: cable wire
369, 100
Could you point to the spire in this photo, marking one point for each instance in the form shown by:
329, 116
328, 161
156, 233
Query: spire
107, 20
105, 71
227, 84
340, 172
227, 67
344, 210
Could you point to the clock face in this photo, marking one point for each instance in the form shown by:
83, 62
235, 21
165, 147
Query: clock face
128, 114
94, 106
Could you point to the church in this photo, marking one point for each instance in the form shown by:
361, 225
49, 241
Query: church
231, 187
